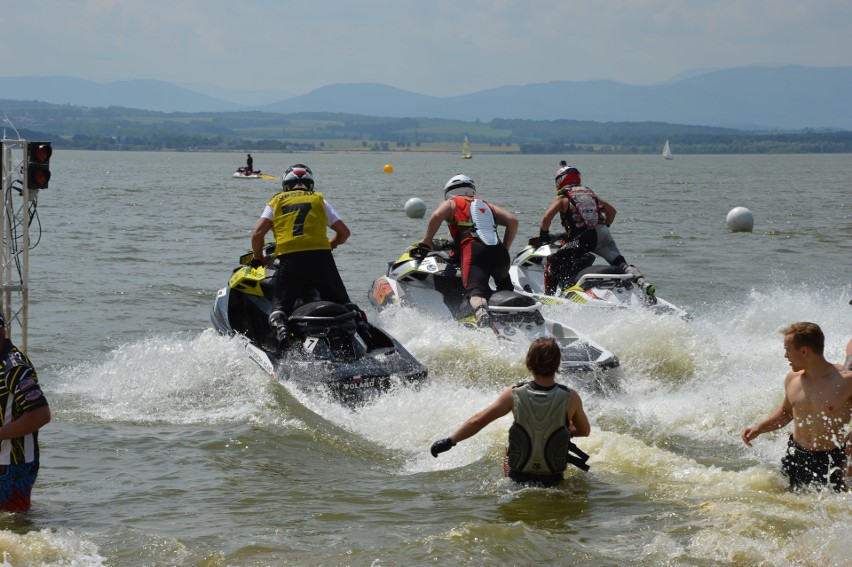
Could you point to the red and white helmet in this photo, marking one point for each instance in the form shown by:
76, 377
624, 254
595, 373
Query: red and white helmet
567, 176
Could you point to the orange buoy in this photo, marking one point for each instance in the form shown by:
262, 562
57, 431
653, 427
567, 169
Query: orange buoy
388, 168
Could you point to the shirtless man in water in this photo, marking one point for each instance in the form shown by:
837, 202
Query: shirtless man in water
818, 400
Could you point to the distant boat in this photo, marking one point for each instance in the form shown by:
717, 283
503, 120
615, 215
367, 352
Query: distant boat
466, 149
667, 151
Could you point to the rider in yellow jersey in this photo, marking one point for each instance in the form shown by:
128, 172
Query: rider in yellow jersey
298, 217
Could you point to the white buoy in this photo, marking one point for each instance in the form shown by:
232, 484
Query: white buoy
740, 219
415, 208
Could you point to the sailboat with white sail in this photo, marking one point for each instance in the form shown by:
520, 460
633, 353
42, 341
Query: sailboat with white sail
667, 151
466, 149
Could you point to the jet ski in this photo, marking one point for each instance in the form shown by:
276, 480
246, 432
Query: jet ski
433, 284
333, 347
595, 285
245, 173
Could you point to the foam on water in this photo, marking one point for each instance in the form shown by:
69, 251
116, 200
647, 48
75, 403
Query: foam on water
670, 433
175, 379
48, 548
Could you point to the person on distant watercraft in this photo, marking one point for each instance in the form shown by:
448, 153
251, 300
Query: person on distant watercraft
298, 217
818, 400
473, 225
586, 219
249, 165
25, 411
547, 415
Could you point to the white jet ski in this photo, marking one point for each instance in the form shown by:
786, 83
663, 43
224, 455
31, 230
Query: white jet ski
597, 285
433, 284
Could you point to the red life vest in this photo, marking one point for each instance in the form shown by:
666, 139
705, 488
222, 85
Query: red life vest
473, 223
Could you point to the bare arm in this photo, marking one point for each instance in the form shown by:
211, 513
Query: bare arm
257, 237
551, 211
608, 210
510, 221
341, 233
776, 420
500, 407
28, 423
443, 212
578, 422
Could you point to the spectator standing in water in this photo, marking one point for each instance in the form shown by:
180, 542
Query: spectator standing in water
818, 400
547, 415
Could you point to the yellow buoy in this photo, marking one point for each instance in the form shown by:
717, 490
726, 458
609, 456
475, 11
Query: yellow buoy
388, 168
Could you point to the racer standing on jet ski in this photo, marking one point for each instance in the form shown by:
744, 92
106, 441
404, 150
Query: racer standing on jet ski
473, 226
586, 219
298, 217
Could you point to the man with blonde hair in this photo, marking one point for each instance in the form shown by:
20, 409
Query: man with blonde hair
818, 400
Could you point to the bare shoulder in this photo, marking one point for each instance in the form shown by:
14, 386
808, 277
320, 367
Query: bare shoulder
793, 376
575, 398
845, 377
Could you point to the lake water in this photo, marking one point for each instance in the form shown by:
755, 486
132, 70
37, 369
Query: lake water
169, 447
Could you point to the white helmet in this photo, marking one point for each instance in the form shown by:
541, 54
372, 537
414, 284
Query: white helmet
459, 185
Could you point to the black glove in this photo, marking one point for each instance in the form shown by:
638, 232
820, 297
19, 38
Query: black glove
441, 446
256, 263
419, 252
544, 237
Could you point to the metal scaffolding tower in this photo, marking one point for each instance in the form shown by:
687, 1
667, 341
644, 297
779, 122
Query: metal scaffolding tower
19, 207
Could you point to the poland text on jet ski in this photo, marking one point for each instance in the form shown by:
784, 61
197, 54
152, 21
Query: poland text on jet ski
332, 347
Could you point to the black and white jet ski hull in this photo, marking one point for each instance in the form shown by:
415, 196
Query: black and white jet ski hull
598, 286
351, 366
433, 285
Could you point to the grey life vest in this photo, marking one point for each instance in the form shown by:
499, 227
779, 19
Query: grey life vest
539, 439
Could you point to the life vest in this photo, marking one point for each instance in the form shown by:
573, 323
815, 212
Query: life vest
584, 209
473, 218
539, 439
299, 222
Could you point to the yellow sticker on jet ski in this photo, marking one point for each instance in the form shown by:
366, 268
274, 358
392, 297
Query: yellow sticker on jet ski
247, 280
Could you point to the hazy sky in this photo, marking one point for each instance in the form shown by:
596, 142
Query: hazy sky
434, 47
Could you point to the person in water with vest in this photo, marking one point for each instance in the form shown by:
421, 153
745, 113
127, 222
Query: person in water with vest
818, 400
473, 225
586, 219
298, 217
547, 415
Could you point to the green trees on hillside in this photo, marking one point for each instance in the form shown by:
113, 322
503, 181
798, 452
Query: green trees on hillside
132, 129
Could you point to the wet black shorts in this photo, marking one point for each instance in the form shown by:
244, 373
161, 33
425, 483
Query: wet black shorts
804, 467
543, 480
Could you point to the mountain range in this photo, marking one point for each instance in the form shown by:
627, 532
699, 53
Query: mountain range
749, 98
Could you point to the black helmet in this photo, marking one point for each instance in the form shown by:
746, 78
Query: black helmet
298, 176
